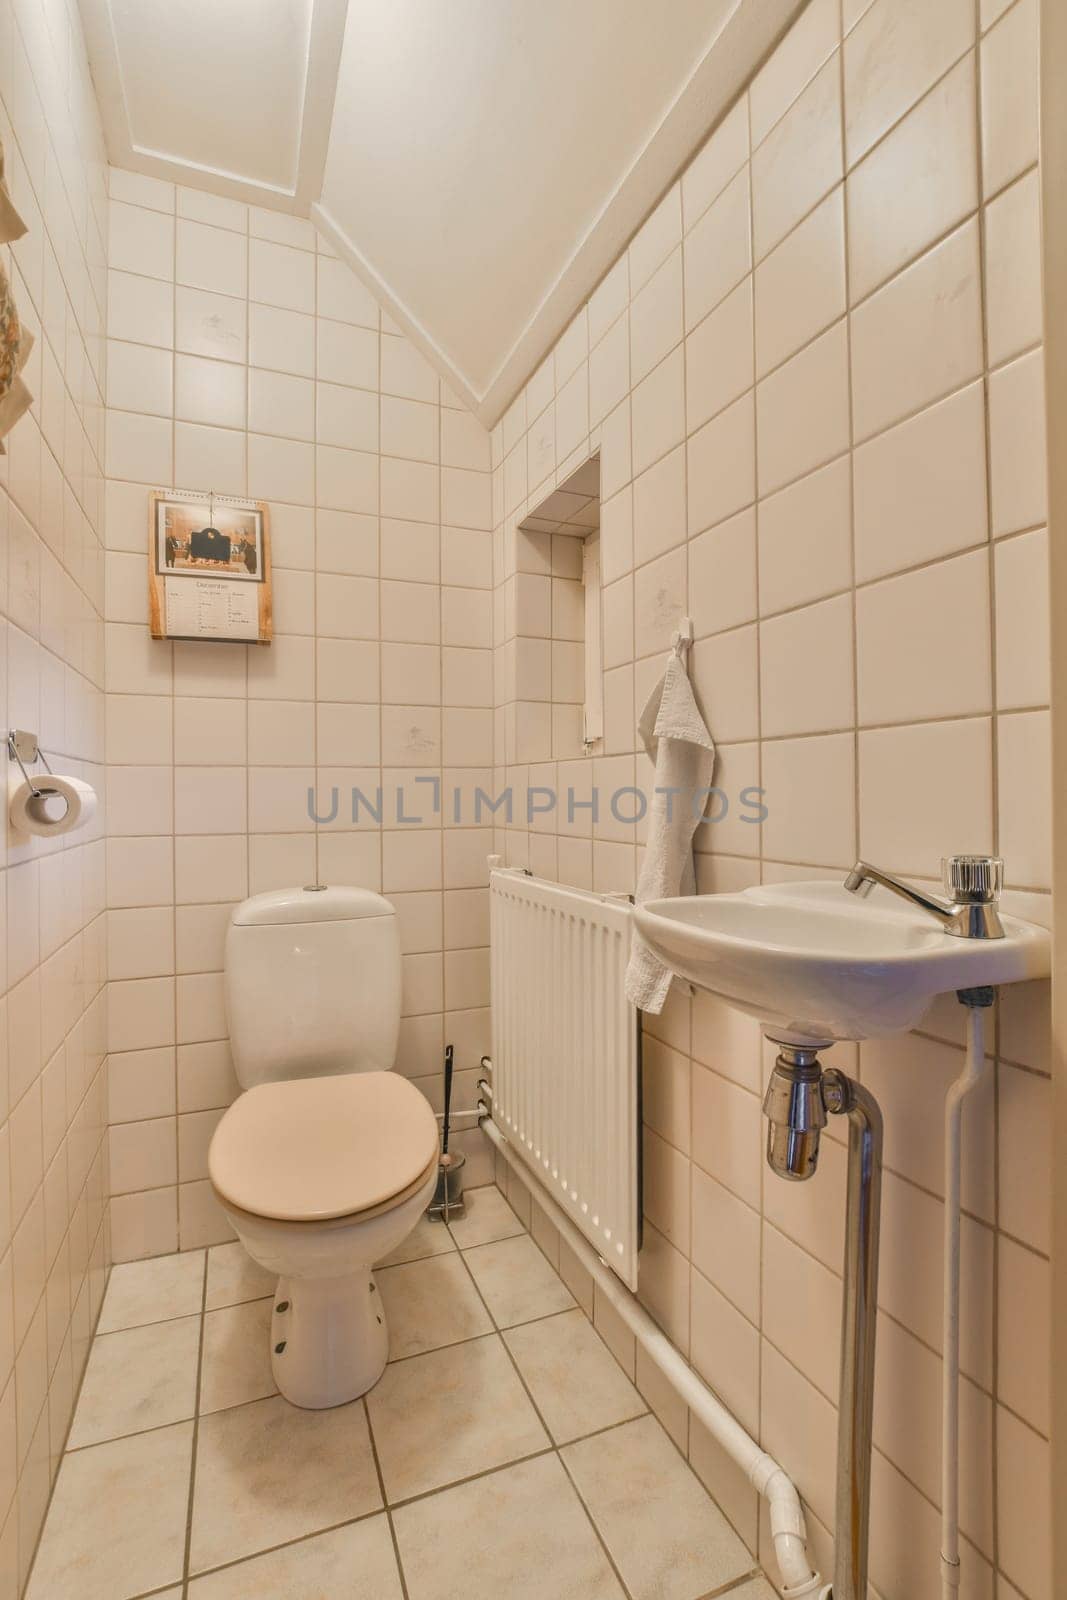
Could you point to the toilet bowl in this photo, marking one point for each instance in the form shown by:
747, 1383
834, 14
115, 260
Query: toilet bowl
328, 1159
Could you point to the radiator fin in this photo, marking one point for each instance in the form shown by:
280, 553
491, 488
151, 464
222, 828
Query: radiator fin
565, 1058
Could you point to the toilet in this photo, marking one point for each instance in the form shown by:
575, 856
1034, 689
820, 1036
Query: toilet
327, 1160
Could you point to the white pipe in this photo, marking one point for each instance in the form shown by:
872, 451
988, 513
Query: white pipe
974, 1067
788, 1529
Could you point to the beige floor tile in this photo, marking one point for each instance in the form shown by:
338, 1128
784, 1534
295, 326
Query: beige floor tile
150, 1291
448, 1414
429, 1304
488, 1217
427, 1239
232, 1276
116, 1526
517, 1282
267, 1473
520, 1534
576, 1383
236, 1365
137, 1379
668, 1538
353, 1563
755, 1589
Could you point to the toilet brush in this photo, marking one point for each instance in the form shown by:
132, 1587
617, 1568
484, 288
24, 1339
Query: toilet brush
448, 1196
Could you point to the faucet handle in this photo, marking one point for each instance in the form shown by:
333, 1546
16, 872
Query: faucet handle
973, 880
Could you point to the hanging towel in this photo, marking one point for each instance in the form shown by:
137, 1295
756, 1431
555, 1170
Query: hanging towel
16, 341
11, 224
681, 749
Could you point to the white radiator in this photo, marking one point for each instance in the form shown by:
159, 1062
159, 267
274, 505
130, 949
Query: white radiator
565, 1053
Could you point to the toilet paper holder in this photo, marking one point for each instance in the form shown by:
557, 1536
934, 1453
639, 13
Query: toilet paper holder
23, 748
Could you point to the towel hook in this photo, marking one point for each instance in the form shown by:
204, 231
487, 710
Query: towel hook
683, 633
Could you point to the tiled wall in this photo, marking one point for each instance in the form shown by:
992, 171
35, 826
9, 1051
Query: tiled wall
244, 358
815, 383
53, 1178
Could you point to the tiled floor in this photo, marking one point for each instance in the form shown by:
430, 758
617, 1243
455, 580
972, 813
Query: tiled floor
504, 1454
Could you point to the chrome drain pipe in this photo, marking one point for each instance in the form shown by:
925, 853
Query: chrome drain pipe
799, 1098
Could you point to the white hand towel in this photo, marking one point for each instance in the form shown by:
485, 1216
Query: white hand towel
681, 748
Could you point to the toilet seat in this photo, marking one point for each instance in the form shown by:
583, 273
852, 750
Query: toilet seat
319, 1149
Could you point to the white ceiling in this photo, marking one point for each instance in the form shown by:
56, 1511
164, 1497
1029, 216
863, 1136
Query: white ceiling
234, 96
479, 163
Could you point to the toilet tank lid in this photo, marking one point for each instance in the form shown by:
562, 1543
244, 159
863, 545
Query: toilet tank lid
312, 903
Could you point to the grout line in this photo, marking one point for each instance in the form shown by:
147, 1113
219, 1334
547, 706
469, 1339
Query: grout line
195, 1436
992, 1471
761, 1513
286, 1544
385, 1501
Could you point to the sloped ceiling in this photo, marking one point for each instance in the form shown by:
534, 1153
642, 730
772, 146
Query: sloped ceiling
479, 163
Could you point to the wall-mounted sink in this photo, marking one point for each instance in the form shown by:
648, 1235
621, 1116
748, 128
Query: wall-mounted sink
815, 964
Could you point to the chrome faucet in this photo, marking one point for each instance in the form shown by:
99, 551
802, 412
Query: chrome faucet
972, 882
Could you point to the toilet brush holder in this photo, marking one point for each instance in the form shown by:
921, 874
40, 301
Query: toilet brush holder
448, 1201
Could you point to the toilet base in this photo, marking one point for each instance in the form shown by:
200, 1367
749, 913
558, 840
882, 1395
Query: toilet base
329, 1344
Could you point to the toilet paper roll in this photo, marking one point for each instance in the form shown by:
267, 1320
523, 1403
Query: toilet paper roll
62, 805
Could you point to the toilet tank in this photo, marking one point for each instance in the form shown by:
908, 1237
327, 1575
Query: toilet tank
312, 984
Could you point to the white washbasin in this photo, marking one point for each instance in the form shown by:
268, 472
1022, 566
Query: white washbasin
815, 963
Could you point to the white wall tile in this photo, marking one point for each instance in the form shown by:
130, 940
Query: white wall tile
795, 830
802, 412
800, 286
898, 49
806, 670
140, 378
656, 317
812, 38
805, 539
799, 161
659, 507
1018, 468
140, 240
920, 488
1024, 760
657, 411
718, 250
1013, 269
280, 403
655, 240
1024, 1513
281, 276
722, 574
926, 792
936, 144
1023, 1327
140, 308
711, 169
1022, 621
211, 258
1010, 96
719, 357
908, 664
213, 325
721, 465
919, 337
209, 392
